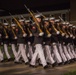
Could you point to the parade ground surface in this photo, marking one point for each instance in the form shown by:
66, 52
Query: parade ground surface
10, 68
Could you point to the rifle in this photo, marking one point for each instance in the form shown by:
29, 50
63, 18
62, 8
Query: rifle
37, 24
24, 33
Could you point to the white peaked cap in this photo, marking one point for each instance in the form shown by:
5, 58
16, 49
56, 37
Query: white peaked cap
57, 20
38, 15
63, 22
46, 19
21, 20
5, 24
27, 20
67, 22
70, 25
13, 24
74, 26
51, 18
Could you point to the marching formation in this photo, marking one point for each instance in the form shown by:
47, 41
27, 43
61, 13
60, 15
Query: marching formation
38, 40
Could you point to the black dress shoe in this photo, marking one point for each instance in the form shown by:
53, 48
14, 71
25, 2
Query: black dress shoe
46, 67
10, 59
48, 63
34, 66
53, 65
40, 64
18, 62
69, 62
29, 59
2, 61
65, 63
60, 64
27, 63
75, 59
22, 60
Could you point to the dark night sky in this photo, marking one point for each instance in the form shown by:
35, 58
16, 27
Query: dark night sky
17, 6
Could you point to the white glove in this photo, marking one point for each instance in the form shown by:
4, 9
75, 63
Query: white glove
24, 35
67, 36
6, 37
15, 37
58, 32
54, 43
30, 35
71, 35
41, 34
29, 43
43, 42
63, 34
49, 35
